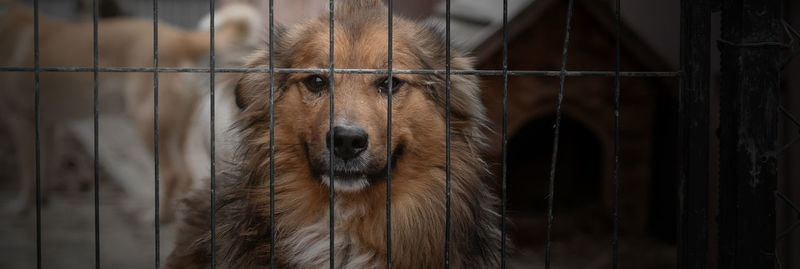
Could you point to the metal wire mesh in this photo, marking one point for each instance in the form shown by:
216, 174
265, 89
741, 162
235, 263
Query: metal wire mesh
504, 138
96, 145
37, 146
212, 131
331, 94
542, 73
389, 63
156, 183
447, 137
615, 175
556, 133
505, 72
271, 134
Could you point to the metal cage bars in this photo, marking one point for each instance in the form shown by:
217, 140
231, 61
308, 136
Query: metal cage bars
96, 112
484, 72
504, 138
155, 137
37, 140
331, 130
212, 145
556, 134
617, 97
389, 63
447, 136
505, 72
271, 135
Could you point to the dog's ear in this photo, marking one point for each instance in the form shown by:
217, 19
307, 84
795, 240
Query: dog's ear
252, 87
241, 100
252, 90
466, 107
466, 95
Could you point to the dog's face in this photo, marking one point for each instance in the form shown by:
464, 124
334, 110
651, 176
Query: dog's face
356, 146
358, 139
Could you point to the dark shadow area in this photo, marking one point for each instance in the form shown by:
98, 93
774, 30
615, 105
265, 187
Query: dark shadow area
578, 173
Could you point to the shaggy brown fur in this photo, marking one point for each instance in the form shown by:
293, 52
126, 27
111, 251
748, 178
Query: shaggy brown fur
301, 192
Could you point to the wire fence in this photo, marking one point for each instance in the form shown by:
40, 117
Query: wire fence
694, 75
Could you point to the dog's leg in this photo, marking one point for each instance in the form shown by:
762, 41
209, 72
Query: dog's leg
51, 159
177, 179
125, 159
22, 137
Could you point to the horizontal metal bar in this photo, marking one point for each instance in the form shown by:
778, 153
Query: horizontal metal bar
544, 73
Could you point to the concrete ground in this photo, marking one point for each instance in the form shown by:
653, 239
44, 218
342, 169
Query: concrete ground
126, 241
68, 235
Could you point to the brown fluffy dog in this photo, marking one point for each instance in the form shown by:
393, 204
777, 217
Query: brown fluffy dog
360, 151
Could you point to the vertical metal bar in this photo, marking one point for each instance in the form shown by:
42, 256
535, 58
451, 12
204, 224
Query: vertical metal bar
750, 43
693, 134
155, 133
556, 133
615, 232
447, 137
95, 9
37, 137
271, 135
213, 182
504, 138
330, 126
389, 142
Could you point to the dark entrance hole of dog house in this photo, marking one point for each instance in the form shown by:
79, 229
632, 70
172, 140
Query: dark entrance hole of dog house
579, 174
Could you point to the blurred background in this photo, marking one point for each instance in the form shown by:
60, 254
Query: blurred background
583, 193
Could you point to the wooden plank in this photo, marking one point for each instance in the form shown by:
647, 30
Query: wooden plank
693, 111
751, 32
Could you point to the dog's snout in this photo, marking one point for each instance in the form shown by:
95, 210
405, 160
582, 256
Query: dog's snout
348, 141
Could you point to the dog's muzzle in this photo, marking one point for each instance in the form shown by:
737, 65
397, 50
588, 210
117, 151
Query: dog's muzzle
349, 141
352, 165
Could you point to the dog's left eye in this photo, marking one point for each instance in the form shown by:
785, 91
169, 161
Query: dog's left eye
383, 84
316, 83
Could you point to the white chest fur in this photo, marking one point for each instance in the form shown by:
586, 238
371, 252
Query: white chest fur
308, 247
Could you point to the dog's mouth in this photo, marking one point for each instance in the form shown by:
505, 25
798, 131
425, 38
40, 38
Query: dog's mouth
351, 175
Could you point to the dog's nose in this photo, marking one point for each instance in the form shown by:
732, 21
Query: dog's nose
348, 141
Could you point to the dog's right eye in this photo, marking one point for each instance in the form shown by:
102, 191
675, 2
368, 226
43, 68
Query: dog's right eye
316, 83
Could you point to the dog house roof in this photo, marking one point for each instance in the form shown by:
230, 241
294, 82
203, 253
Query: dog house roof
475, 21
477, 25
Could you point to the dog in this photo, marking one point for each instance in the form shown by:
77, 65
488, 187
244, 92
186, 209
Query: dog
67, 97
302, 143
